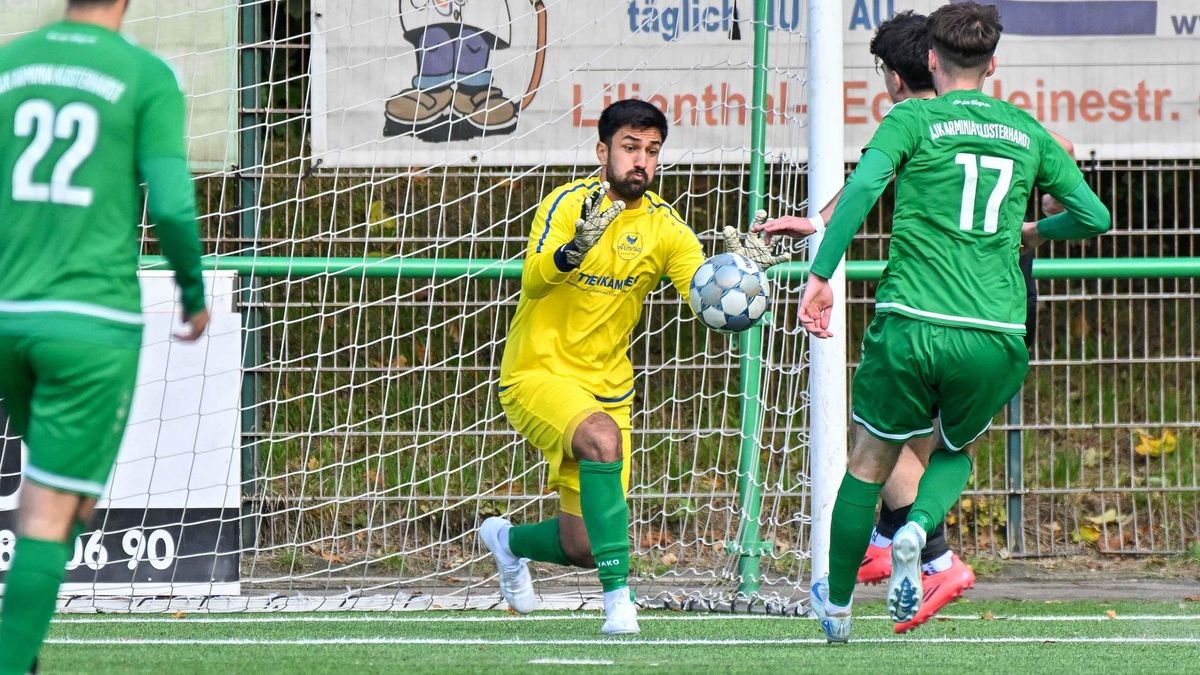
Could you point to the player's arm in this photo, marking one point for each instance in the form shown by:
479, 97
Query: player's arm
892, 145
1050, 205
558, 241
686, 257
754, 246
1085, 215
862, 190
170, 196
894, 138
798, 226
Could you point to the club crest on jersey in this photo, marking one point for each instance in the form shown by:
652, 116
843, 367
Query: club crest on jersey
629, 245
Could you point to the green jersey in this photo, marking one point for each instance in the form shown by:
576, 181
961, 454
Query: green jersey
966, 164
84, 112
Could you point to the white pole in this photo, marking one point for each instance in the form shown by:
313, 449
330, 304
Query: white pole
827, 367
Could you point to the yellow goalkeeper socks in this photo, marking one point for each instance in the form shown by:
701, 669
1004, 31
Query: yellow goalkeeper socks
849, 534
940, 487
538, 541
606, 517
30, 593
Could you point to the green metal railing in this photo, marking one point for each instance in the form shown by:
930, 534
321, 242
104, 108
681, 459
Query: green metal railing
421, 268
748, 546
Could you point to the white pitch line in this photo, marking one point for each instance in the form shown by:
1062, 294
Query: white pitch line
612, 642
571, 662
392, 618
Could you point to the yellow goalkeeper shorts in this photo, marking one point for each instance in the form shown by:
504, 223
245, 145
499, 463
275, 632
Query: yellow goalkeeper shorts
546, 410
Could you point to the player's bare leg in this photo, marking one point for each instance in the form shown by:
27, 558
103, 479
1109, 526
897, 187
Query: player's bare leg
944, 576
574, 539
898, 494
869, 465
939, 489
605, 533
46, 523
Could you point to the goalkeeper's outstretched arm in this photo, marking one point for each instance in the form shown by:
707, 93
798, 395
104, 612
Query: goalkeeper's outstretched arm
557, 245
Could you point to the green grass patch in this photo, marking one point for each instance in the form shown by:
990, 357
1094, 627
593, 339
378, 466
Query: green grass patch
973, 637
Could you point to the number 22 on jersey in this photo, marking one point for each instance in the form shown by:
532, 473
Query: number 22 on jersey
971, 165
39, 119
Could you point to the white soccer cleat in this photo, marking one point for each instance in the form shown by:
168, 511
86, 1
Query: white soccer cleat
620, 614
836, 625
904, 589
515, 584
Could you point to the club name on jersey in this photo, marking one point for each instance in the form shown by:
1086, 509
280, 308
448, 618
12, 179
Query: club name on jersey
972, 128
605, 281
74, 77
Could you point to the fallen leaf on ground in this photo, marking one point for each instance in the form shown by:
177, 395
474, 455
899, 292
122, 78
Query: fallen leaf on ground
1086, 535
1107, 518
1150, 446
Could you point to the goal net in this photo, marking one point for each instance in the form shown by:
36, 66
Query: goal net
375, 200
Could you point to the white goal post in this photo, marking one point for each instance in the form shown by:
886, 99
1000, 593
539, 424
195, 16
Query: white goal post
376, 280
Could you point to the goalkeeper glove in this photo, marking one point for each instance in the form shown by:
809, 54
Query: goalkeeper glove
753, 247
591, 225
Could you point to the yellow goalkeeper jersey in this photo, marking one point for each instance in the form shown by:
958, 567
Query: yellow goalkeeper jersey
578, 324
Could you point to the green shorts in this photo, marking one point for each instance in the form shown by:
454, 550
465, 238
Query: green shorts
69, 400
912, 371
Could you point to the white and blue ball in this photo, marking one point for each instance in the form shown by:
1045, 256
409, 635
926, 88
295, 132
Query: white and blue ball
729, 293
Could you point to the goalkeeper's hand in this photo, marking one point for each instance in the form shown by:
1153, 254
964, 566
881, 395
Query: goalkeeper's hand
753, 246
591, 225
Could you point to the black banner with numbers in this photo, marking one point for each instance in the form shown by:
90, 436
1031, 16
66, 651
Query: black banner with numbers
135, 546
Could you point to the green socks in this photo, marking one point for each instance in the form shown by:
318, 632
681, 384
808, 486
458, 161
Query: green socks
940, 487
538, 541
849, 534
606, 517
30, 594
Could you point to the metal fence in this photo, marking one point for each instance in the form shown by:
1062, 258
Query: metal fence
1107, 431
1108, 428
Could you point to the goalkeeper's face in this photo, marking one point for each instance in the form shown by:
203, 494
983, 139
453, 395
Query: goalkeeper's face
630, 160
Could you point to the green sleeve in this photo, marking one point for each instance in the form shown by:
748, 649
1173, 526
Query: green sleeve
860, 193
1086, 216
161, 114
162, 163
171, 204
1058, 173
898, 134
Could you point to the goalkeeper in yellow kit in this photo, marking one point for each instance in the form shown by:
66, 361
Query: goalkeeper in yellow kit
597, 247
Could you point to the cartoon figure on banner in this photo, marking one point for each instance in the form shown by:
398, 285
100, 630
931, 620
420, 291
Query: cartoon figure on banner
453, 96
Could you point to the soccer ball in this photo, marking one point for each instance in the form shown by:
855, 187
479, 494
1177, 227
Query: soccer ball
729, 293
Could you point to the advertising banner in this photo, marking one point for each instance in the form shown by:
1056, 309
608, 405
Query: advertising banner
412, 83
168, 523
